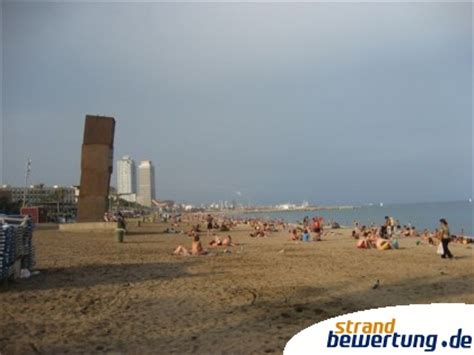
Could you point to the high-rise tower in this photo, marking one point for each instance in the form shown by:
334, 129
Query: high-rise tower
146, 183
126, 179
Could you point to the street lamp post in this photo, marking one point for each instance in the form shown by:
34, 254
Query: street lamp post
27, 177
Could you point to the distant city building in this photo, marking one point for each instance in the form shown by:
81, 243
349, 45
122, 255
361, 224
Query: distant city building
126, 179
146, 183
286, 206
38, 194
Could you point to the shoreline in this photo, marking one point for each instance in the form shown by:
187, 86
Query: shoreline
276, 210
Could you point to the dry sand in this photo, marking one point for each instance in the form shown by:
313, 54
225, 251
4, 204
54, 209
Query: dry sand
96, 295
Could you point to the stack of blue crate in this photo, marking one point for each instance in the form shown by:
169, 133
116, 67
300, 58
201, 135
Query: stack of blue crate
16, 243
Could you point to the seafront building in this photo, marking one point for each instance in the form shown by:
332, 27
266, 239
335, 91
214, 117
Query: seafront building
39, 194
146, 183
127, 179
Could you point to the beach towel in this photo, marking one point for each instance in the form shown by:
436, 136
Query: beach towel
440, 250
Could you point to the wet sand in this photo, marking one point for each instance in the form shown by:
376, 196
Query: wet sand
95, 295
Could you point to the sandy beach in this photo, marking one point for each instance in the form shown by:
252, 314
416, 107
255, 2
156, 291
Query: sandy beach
95, 295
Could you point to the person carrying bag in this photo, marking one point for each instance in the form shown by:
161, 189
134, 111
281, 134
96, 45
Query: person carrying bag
445, 236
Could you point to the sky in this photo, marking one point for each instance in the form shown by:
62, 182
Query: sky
258, 102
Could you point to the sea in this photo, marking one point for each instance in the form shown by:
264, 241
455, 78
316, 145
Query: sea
459, 215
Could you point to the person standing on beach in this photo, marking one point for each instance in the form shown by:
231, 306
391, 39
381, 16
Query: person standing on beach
121, 224
387, 229
444, 236
209, 221
384, 228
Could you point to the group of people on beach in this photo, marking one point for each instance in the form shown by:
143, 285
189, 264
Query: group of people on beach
305, 235
390, 229
383, 237
386, 236
197, 248
262, 228
211, 225
312, 230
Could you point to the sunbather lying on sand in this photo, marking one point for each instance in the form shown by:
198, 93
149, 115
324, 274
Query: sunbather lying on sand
461, 239
427, 237
258, 233
409, 231
216, 241
368, 240
227, 242
196, 248
172, 231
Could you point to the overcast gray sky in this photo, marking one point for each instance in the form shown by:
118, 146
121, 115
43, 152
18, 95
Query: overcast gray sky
332, 103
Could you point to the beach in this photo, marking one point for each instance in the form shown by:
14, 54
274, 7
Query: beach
94, 295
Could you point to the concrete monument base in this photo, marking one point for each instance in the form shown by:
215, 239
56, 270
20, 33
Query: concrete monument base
98, 227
